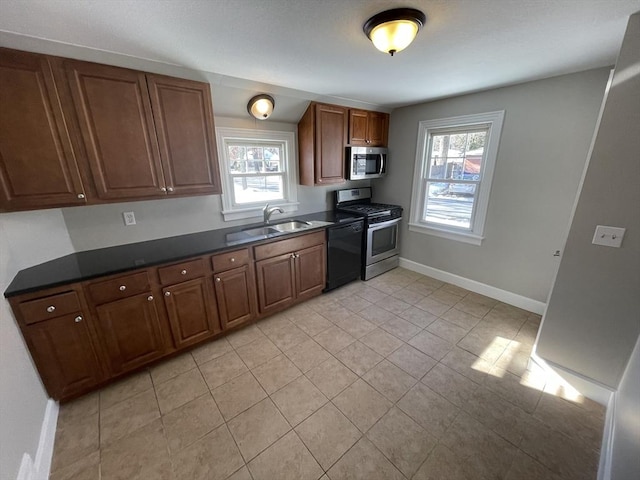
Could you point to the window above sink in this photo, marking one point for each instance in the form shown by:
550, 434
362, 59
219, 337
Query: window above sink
257, 166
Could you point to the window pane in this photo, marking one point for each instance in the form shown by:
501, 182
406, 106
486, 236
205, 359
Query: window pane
456, 156
258, 189
272, 159
450, 204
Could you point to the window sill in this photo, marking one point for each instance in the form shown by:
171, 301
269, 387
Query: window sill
253, 212
470, 238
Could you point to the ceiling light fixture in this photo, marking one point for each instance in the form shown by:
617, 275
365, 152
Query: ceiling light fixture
261, 106
392, 31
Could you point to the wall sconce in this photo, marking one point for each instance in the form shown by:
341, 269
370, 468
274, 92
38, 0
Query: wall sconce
261, 106
392, 31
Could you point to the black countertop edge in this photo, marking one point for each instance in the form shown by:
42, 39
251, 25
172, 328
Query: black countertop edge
90, 264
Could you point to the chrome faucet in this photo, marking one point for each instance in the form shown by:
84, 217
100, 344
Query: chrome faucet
267, 212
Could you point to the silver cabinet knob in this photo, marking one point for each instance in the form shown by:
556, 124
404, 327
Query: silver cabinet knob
183, 272
150, 298
81, 196
167, 294
218, 279
163, 189
50, 308
232, 260
122, 288
78, 319
170, 189
293, 255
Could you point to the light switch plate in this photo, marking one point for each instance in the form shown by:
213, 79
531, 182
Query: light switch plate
608, 236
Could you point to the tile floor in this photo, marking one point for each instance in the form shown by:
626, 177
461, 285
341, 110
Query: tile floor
401, 377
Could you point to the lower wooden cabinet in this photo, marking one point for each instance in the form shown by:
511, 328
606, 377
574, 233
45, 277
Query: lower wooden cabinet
63, 352
310, 271
236, 293
276, 283
130, 331
192, 312
293, 276
84, 334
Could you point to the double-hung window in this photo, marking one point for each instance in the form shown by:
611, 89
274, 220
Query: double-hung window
452, 180
258, 167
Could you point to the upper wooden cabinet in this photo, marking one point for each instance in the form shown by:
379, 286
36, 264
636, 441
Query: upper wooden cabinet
38, 166
368, 129
74, 132
145, 135
322, 136
184, 123
116, 122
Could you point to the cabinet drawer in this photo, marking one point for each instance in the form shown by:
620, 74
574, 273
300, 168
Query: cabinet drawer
181, 272
226, 261
117, 288
290, 245
50, 307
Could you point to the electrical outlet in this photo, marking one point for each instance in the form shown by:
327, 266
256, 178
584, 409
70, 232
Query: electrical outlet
129, 218
608, 236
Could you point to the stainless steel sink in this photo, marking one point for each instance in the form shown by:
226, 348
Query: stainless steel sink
259, 231
290, 226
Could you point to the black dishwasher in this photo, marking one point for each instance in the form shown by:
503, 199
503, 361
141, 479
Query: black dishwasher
344, 252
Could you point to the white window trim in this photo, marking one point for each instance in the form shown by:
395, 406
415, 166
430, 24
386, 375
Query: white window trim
290, 203
475, 235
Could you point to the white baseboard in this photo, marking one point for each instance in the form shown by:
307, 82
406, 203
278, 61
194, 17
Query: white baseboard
39, 469
606, 451
503, 295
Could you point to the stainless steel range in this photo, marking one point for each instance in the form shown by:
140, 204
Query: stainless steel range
380, 248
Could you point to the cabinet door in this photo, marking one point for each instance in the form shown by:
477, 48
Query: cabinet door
130, 329
183, 116
235, 291
63, 352
37, 163
358, 127
192, 311
331, 136
378, 129
276, 283
310, 271
114, 112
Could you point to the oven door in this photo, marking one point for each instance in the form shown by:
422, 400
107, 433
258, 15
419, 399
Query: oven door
382, 240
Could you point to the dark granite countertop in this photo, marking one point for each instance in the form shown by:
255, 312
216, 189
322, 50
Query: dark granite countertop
89, 264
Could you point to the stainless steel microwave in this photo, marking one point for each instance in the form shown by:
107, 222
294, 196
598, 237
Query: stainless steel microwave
366, 162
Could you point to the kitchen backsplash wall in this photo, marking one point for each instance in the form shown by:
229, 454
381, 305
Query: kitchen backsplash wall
100, 226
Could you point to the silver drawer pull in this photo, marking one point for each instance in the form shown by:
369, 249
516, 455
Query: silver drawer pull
218, 279
167, 294
170, 189
78, 319
233, 259
50, 308
122, 288
183, 272
81, 196
150, 298
163, 189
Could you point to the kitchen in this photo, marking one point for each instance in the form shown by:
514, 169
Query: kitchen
567, 103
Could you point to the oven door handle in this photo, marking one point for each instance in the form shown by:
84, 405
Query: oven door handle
388, 223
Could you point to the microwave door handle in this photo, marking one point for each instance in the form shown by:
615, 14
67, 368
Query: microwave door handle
381, 163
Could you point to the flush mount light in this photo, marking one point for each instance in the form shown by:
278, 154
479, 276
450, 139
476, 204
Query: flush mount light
392, 31
261, 106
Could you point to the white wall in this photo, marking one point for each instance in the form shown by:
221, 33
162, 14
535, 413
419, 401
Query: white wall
546, 135
625, 462
26, 239
592, 319
102, 225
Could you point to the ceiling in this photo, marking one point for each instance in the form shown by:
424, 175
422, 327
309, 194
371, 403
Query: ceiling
318, 46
